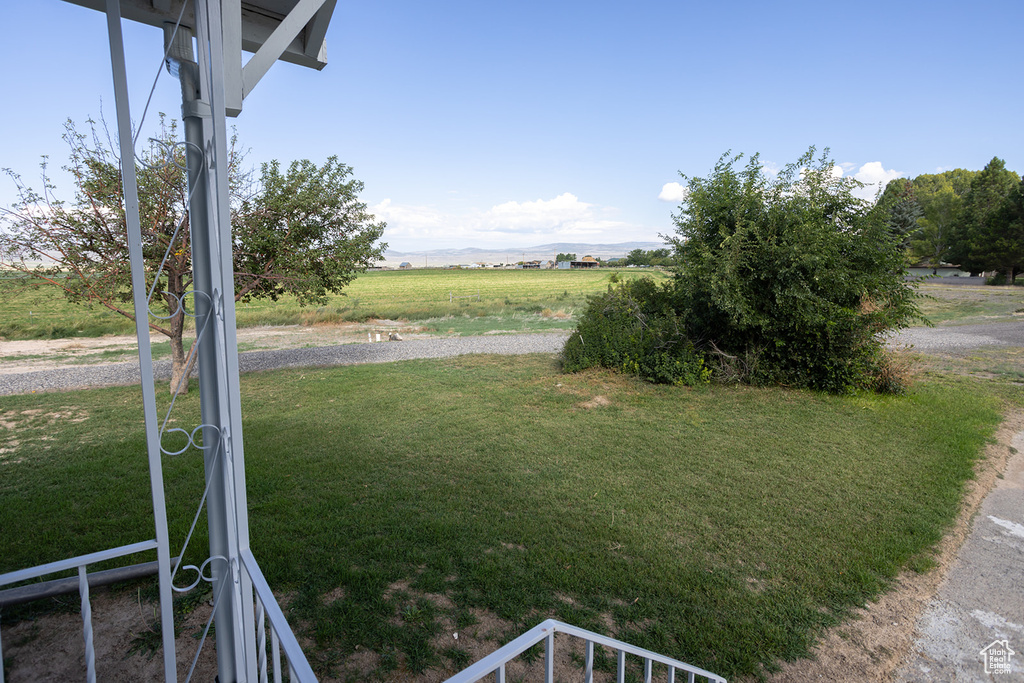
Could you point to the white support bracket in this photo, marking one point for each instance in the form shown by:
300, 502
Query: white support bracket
281, 38
289, 30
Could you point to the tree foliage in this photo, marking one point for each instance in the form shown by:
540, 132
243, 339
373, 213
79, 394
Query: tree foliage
634, 328
787, 279
941, 199
985, 238
792, 273
649, 257
303, 232
79, 245
967, 219
565, 257
900, 202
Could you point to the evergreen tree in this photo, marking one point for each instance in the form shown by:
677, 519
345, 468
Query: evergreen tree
984, 240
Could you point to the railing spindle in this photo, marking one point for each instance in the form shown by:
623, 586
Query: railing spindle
275, 648
588, 671
620, 669
671, 674
647, 670
549, 658
261, 641
90, 652
1, 658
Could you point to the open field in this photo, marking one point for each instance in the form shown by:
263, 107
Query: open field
444, 302
965, 305
462, 301
390, 504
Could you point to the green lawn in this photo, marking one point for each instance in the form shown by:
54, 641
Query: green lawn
723, 526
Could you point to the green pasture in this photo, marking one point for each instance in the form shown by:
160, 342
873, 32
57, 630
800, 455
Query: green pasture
725, 526
946, 304
456, 300
443, 301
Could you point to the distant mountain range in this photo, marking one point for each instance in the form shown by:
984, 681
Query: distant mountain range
543, 252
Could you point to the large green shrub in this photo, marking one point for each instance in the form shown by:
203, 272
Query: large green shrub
635, 328
792, 273
786, 279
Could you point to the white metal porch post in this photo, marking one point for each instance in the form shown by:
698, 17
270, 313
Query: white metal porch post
131, 201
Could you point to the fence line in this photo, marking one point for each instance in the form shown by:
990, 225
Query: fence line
452, 297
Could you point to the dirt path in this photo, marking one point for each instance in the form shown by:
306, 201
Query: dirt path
48, 354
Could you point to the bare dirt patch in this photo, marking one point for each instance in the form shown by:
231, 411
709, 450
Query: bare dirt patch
52, 647
48, 354
596, 402
18, 427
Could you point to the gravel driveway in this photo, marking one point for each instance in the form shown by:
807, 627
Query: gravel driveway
962, 337
934, 339
348, 354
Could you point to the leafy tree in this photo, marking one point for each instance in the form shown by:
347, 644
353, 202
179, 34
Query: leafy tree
653, 257
940, 197
1012, 218
985, 239
792, 279
931, 243
303, 233
661, 257
565, 257
638, 257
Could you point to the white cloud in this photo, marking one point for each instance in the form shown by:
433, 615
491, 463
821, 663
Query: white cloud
873, 174
512, 223
540, 216
673, 192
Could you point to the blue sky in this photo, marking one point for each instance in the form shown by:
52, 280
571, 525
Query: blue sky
493, 124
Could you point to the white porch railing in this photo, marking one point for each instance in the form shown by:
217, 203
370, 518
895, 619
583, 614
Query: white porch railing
496, 661
77, 563
268, 614
282, 640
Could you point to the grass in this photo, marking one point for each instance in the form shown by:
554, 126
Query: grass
444, 301
466, 301
723, 526
967, 305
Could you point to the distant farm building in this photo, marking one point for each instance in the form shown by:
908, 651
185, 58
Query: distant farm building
585, 262
405, 265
